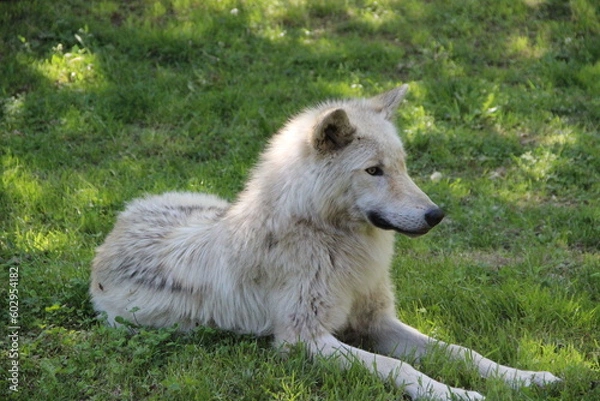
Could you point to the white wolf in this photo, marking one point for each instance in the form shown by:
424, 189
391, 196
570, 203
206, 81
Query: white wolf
303, 255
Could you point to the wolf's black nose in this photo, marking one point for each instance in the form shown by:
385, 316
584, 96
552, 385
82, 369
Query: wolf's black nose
434, 216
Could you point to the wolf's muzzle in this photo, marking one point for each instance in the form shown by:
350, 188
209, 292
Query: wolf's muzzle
434, 216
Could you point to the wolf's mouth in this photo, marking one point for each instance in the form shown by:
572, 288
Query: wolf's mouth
413, 234
381, 222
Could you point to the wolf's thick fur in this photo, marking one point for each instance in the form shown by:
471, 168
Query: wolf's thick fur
303, 254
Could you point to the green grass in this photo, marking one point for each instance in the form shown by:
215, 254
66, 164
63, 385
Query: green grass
103, 101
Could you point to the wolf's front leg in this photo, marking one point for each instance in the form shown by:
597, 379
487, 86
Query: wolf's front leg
416, 384
395, 338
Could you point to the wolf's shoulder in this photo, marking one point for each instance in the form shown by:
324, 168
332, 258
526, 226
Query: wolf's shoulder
171, 207
179, 200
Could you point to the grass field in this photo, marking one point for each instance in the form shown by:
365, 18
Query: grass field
103, 101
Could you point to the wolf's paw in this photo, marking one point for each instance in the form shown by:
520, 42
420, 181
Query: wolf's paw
543, 379
528, 378
463, 395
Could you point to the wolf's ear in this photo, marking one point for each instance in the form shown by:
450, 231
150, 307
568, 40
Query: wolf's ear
333, 132
388, 102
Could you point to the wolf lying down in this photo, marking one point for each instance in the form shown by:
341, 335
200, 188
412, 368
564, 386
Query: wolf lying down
302, 255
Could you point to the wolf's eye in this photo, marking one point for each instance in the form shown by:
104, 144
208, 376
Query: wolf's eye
374, 171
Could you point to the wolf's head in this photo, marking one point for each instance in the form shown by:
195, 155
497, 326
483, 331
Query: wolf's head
362, 166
